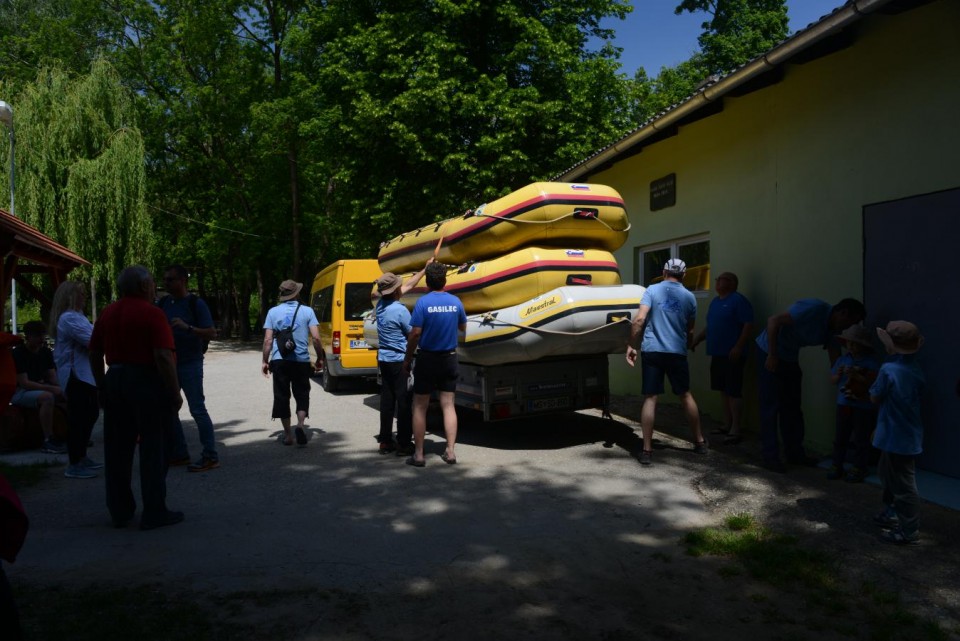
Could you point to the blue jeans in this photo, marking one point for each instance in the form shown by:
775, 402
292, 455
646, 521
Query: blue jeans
780, 410
191, 382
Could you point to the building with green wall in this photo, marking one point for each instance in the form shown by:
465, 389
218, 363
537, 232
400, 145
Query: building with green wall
777, 170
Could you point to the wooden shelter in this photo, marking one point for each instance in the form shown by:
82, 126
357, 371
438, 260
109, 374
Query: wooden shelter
27, 251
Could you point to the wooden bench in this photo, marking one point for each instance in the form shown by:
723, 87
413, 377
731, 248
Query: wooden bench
20, 428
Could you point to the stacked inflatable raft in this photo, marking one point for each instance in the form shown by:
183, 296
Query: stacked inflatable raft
534, 271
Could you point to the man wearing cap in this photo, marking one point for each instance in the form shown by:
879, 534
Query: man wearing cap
291, 373
393, 327
808, 322
899, 434
729, 325
666, 316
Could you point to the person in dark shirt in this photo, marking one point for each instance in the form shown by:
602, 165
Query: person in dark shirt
37, 385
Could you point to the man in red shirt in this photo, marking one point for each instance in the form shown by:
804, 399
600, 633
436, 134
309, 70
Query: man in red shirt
138, 394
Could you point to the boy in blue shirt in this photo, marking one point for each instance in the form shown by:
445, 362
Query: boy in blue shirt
899, 435
853, 373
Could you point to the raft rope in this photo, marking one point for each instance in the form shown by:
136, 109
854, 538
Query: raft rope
490, 318
573, 213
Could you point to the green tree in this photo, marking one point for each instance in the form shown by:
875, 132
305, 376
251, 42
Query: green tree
736, 32
80, 168
426, 108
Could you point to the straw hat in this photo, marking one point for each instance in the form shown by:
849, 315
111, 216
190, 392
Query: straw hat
857, 334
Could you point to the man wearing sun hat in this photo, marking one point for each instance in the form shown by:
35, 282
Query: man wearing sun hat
291, 373
393, 327
665, 317
899, 434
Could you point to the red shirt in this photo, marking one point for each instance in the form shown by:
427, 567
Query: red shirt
129, 330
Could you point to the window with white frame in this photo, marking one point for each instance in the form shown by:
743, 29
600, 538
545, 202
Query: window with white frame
648, 261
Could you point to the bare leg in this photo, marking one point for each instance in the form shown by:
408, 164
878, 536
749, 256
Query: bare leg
648, 413
420, 403
693, 416
301, 417
449, 422
736, 410
45, 412
728, 420
287, 432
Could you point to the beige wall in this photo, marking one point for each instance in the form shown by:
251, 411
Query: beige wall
779, 178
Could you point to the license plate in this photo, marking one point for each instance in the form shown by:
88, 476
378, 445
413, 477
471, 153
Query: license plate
360, 344
547, 404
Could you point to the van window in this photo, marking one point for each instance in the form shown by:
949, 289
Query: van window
322, 304
357, 301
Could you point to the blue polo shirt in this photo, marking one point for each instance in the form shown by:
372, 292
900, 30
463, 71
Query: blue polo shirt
672, 307
725, 320
811, 326
393, 326
438, 315
899, 386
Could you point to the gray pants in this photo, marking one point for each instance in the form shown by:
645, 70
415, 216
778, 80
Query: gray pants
898, 476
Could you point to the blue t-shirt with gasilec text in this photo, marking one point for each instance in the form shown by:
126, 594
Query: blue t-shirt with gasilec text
672, 308
811, 326
868, 363
189, 346
280, 317
725, 320
393, 326
438, 315
899, 386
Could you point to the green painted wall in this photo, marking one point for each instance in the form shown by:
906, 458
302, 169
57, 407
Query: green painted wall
779, 179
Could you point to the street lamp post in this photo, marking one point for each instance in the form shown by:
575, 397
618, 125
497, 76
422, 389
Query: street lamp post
6, 116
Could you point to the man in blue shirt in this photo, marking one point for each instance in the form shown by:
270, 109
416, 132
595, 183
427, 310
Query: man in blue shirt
666, 316
899, 434
807, 322
291, 372
729, 324
438, 318
393, 327
192, 326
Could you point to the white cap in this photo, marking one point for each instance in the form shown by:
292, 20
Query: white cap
675, 266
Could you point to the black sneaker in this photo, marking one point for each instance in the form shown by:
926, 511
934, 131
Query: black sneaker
887, 518
51, 446
645, 457
899, 537
170, 518
204, 464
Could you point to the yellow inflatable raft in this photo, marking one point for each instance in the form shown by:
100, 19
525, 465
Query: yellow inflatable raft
521, 275
542, 214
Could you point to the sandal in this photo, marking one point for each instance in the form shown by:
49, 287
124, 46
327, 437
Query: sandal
282, 439
414, 462
301, 436
449, 460
720, 430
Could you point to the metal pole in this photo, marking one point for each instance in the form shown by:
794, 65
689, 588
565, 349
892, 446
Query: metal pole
6, 115
13, 212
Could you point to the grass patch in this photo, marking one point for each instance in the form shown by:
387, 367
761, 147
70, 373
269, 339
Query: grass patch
781, 561
26, 475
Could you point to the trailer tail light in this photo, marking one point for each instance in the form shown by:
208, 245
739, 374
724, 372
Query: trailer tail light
500, 410
336, 342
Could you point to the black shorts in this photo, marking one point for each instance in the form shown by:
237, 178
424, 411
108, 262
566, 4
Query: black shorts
435, 371
726, 376
655, 364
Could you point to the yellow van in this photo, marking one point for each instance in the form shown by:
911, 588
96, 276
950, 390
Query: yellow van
340, 297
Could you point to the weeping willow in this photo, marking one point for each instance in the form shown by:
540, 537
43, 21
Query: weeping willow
81, 175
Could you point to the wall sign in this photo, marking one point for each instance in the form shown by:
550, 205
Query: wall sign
663, 192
